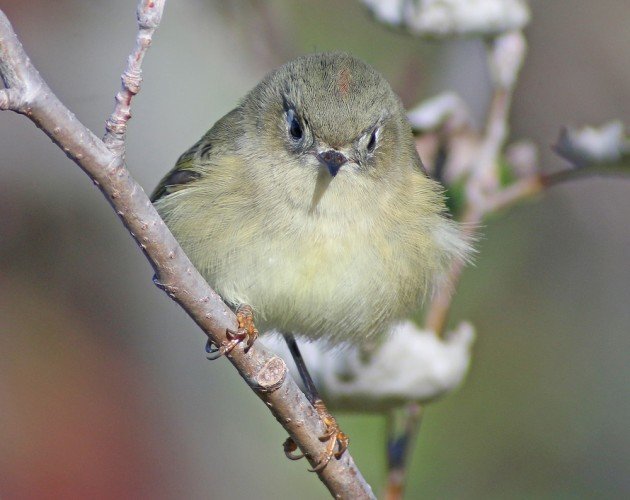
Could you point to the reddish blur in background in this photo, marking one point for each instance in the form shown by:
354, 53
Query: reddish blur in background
104, 387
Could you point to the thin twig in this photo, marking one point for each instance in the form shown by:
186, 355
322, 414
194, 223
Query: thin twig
149, 15
266, 374
481, 185
399, 448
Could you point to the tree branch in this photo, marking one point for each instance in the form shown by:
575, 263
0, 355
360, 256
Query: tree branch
149, 15
505, 56
399, 448
103, 161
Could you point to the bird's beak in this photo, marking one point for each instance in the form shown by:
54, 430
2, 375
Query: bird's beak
333, 160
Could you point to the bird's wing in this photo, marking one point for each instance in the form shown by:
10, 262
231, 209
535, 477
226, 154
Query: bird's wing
201, 156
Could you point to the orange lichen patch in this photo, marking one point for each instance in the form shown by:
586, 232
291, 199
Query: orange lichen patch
343, 81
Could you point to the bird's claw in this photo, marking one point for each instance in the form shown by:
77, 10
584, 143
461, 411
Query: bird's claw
246, 331
289, 447
332, 436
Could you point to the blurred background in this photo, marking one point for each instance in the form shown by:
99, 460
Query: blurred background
104, 386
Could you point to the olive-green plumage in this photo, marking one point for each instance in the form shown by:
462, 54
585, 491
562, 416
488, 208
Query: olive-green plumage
309, 203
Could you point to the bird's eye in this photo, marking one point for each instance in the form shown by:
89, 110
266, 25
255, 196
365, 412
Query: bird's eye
295, 129
372, 143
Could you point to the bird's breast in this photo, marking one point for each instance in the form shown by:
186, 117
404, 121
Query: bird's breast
321, 277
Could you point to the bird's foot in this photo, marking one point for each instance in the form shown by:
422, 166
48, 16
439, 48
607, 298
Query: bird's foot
246, 332
333, 437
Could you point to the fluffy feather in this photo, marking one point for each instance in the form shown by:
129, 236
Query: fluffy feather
338, 258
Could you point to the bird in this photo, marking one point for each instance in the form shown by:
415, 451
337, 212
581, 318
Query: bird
308, 207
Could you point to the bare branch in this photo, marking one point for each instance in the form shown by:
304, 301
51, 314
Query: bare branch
399, 449
266, 374
482, 187
149, 15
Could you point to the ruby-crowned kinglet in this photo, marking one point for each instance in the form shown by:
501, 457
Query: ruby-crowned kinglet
309, 202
